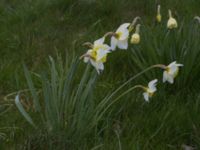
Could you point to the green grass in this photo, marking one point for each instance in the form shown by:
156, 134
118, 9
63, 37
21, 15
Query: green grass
31, 31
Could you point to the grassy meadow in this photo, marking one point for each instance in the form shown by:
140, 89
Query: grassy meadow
51, 100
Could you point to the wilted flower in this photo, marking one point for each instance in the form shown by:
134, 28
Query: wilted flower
97, 54
150, 90
172, 23
158, 16
135, 38
120, 37
171, 71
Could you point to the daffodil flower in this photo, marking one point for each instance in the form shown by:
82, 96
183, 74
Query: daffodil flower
97, 55
150, 90
158, 16
171, 71
197, 18
120, 37
172, 23
135, 38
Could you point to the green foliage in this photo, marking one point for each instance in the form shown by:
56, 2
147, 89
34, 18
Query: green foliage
68, 108
159, 45
63, 104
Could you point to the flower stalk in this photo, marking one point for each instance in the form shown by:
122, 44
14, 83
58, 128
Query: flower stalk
131, 27
107, 98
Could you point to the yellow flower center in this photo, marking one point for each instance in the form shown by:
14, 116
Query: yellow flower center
118, 35
167, 69
175, 74
150, 93
94, 51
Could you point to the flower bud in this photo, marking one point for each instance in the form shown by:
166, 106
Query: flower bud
158, 17
135, 39
172, 23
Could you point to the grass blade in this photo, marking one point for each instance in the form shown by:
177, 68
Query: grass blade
23, 112
32, 89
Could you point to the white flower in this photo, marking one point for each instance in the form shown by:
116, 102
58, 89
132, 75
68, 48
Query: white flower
97, 55
120, 39
150, 90
172, 23
171, 72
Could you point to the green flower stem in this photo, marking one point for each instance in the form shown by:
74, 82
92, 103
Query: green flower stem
123, 94
137, 30
158, 11
170, 13
131, 27
106, 99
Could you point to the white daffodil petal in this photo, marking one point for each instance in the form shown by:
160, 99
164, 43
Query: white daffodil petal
113, 43
124, 35
106, 48
146, 96
123, 32
173, 69
97, 65
93, 63
169, 78
152, 85
171, 64
123, 44
122, 27
100, 66
101, 53
179, 65
86, 59
165, 76
99, 41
